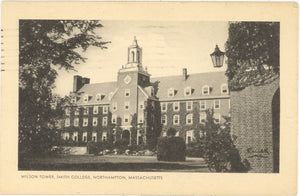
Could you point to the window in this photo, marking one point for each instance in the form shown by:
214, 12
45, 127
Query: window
126, 119
76, 111
74, 99
85, 122
189, 119
75, 136
164, 119
176, 106
205, 90
104, 121
176, 120
189, 105
105, 109
95, 121
187, 91
141, 106
127, 92
84, 136
98, 97
152, 91
217, 117
76, 122
114, 119
67, 111
224, 89
202, 117
217, 104
114, 106
94, 136
203, 105
85, 110
171, 92
86, 98
67, 122
66, 136
153, 105
163, 107
95, 110
189, 136
126, 105
141, 118
104, 136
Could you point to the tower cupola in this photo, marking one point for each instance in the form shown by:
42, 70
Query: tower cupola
134, 54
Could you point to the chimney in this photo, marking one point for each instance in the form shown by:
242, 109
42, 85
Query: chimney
78, 82
184, 73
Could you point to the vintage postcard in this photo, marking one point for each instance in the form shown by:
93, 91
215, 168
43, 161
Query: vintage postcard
149, 98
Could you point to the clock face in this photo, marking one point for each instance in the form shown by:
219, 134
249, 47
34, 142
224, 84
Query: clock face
127, 79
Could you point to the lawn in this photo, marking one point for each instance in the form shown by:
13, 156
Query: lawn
111, 163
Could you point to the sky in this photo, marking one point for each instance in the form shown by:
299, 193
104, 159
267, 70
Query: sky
167, 48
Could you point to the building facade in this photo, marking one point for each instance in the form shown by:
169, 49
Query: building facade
138, 108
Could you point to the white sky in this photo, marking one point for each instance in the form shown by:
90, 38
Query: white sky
167, 48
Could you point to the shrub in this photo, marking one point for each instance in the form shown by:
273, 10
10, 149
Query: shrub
195, 149
171, 149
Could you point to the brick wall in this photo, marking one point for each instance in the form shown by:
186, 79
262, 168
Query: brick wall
251, 114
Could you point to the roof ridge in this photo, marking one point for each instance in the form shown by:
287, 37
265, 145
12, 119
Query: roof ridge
190, 74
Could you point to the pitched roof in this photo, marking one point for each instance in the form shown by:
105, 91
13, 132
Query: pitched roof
93, 89
196, 81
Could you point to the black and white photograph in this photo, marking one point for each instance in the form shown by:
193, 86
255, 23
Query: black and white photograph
149, 96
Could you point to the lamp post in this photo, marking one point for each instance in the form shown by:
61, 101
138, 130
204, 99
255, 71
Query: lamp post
217, 57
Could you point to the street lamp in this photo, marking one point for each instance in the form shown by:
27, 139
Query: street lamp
217, 57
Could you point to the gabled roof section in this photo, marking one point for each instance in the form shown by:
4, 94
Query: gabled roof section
93, 89
196, 81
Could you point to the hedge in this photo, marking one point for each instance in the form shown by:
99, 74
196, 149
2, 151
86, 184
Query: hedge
171, 149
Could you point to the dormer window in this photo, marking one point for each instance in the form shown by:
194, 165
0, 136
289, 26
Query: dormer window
187, 91
127, 92
74, 99
86, 98
171, 92
205, 90
224, 89
99, 97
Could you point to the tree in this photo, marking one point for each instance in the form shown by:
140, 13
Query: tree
252, 49
219, 151
43, 45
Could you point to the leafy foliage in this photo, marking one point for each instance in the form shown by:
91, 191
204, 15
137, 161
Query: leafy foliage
44, 44
171, 148
252, 49
219, 150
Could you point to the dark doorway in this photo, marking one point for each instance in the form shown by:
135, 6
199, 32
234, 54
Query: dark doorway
126, 136
276, 127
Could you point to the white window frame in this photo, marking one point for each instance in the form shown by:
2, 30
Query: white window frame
73, 136
203, 102
187, 90
76, 112
114, 106
126, 104
84, 134
202, 116
174, 119
187, 104
104, 136
73, 99
224, 87
142, 106
171, 92
98, 97
95, 110
105, 109
189, 117
95, 121
67, 122
126, 117
217, 117
174, 106
68, 111
76, 122
127, 91
217, 102
66, 135
166, 107
203, 90
114, 119
141, 118
104, 121
85, 122
85, 110
86, 98
94, 135
165, 119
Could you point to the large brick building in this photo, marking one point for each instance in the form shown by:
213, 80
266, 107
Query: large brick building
138, 108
